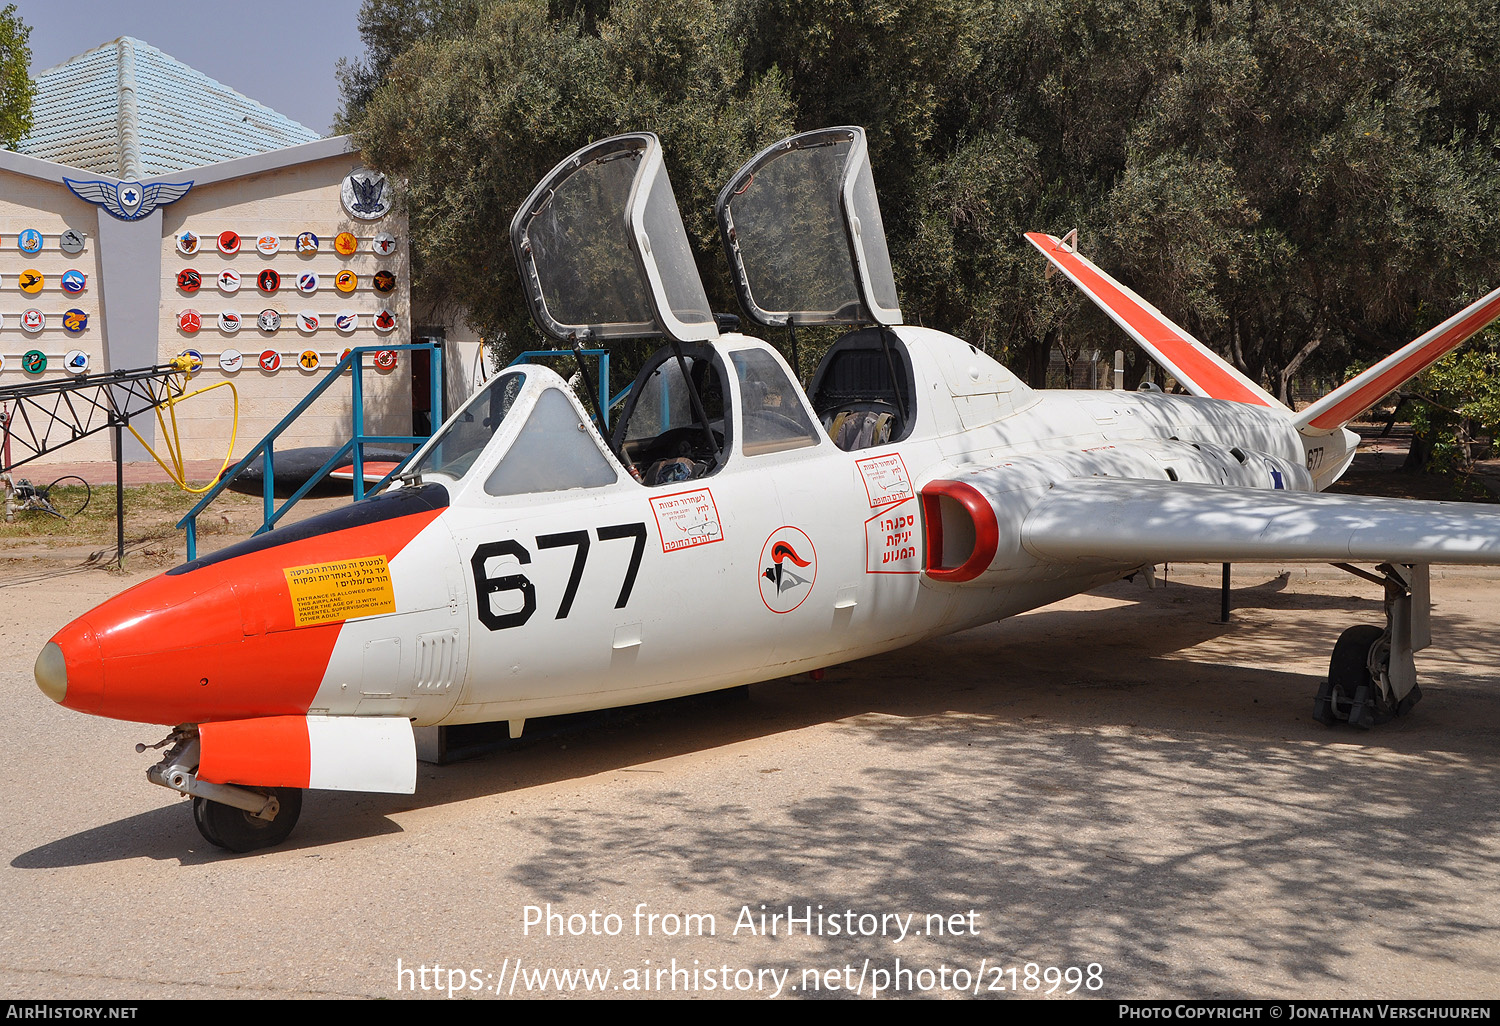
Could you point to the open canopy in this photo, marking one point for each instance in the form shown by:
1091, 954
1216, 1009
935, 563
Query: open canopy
602, 250
802, 228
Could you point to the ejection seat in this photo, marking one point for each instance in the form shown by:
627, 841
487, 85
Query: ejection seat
862, 390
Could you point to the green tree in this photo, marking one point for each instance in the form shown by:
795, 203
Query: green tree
17, 90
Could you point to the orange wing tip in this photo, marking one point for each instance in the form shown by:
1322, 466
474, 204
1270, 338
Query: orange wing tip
336, 753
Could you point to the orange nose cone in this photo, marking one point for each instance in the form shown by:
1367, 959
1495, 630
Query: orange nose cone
69, 670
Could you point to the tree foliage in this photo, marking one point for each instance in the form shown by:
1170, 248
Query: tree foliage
17, 90
1300, 184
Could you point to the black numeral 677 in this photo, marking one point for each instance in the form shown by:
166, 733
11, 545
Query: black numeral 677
486, 586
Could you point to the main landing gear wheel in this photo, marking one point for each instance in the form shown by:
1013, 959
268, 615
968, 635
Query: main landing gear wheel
237, 830
1351, 694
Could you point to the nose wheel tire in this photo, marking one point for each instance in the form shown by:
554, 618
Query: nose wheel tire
236, 830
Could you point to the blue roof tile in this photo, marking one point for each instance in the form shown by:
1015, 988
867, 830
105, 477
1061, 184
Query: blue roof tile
128, 110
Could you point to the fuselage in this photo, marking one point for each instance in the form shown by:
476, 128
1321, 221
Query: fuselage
537, 575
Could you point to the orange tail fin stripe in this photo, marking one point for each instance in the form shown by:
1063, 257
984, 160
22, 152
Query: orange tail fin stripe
1201, 371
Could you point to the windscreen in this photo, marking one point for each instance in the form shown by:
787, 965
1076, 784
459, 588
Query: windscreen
464, 437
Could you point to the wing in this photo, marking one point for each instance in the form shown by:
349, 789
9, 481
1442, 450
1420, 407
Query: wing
101, 193
1132, 522
159, 194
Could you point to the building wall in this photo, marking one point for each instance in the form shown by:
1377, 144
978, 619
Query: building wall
283, 201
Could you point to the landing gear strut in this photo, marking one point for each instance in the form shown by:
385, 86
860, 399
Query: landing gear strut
1372, 676
227, 815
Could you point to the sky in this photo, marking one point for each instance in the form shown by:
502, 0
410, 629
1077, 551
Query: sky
280, 53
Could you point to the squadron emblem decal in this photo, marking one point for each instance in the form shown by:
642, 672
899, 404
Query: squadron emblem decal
268, 244
187, 243
74, 281
365, 195
307, 242
189, 280
31, 281
33, 321
344, 244
71, 241
229, 281
229, 243
75, 321
268, 281
269, 321
229, 321
383, 244
788, 569
29, 241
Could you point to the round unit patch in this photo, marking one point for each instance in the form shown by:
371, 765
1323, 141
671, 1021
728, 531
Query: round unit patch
346, 321
189, 321
33, 321
187, 243
309, 360
31, 281
268, 281
229, 242
364, 195
229, 321
229, 281
195, 360
383, 244
76, 361
270, 360
268, 244
385, 359
345, 281
34, 361
307, 322
307, 242
344, 243
788, 569
29, 241
75, 321
307, 282
385, 321
268, 321
189, 280
71, 241
231, 360
74, 281
384, 281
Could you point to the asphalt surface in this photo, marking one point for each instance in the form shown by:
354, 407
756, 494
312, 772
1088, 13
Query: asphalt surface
1118, 789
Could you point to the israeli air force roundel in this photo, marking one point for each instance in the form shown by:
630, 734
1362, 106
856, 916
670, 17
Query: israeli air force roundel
384, 281
229, 242
74, 281
34, 361
385, 359
75, 321
268, 321
187, 243
268, 244
29, 241
76, 361
33, 321
307, 322
307, 242
307, 282
189, 321
346, 321
189, 280
229, 281
383, 244
385, 321
344, 244
231, 360
365, 195
31, 281
270, 360
229, 321
345, 281
309, 360
268, 281
71, 242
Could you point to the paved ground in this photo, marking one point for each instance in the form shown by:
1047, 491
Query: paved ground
1117, 780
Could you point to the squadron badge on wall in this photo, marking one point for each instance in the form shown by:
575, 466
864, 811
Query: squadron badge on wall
365, 195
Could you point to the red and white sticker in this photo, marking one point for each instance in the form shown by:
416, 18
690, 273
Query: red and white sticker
268, 244
686, 519
270, 360
893, 538
189, 321
385, 359
885, 478
229, 242
788, 569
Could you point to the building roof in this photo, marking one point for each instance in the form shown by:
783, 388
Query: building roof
127, 110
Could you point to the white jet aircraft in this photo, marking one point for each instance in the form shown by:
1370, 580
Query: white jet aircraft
525, 565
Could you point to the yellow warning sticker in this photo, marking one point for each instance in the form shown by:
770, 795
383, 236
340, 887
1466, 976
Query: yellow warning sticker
325, 592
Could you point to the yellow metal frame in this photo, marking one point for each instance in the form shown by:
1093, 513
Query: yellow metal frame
172, 439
